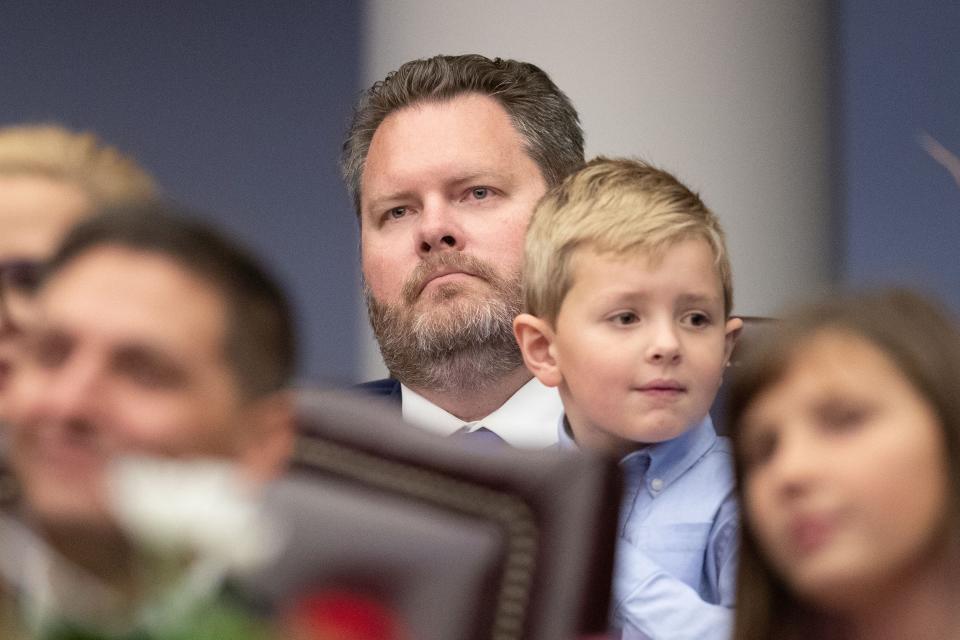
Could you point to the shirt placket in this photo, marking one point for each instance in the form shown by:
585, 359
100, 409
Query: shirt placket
635, 498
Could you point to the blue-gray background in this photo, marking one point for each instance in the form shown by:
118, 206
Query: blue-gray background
238, 109
898, 76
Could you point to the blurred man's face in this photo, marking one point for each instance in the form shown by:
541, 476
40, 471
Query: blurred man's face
35, 212
126, 355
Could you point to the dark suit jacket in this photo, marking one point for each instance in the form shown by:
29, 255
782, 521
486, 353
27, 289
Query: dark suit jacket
388, 389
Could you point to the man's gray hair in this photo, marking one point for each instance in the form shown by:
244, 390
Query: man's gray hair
541, 113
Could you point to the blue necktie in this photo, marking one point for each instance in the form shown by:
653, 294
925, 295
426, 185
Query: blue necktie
481, 438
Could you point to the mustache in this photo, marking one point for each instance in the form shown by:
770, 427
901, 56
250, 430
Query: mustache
454, 261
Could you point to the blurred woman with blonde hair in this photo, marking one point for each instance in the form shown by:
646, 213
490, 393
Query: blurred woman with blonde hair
50, 177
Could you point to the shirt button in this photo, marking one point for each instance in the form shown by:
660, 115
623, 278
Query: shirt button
656, 484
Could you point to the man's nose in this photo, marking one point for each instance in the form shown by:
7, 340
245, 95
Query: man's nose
438, 229
73, 390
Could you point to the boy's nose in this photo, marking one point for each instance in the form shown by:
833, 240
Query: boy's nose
664, 346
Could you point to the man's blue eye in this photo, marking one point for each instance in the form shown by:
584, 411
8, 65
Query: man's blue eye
480, 192
397, 212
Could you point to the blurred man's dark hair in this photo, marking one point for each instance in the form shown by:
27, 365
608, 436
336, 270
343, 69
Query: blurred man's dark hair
260, 342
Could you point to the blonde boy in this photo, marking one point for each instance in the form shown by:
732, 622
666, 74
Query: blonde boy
628, 293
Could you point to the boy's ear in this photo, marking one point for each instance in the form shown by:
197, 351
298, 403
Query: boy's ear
731, 332
535, 337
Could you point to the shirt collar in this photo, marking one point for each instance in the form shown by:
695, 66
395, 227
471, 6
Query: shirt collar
662, 462
48, 587
672, 458
564, 437
527, 420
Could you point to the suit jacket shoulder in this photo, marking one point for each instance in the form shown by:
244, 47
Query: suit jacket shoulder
387, 388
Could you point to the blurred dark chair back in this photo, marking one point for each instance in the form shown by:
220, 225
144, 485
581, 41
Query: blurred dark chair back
465, 545
753, 328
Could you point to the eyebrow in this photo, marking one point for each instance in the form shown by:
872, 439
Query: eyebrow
686, 299
478, 176
379, 202
486, 175
136, 354
698, 298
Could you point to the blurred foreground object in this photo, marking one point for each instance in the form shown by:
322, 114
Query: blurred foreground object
378, 532
155, 336
463, 544
179, 589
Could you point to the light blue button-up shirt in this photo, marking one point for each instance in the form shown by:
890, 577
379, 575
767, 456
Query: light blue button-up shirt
675, 566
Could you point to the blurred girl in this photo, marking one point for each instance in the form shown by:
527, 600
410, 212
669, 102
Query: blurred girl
846, 426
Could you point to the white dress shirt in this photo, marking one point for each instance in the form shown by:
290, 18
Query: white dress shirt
527, 420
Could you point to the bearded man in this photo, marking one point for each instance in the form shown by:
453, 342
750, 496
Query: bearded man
445, 160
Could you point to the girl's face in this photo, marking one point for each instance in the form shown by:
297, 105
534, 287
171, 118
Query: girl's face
845, 476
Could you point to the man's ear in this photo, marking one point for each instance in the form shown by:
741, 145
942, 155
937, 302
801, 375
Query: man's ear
267, 443
536, 337
731, 332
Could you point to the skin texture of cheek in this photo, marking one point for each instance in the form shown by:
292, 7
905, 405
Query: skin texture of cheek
383, 272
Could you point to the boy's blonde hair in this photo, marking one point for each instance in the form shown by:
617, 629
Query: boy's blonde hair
613, 206
100, 171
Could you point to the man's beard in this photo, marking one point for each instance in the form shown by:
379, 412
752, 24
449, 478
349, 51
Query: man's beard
464, 339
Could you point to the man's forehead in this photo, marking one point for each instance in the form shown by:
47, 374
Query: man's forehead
122, 292
112, 267
444, 140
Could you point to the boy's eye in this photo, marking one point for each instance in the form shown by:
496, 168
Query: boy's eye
697, 319
625, 317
